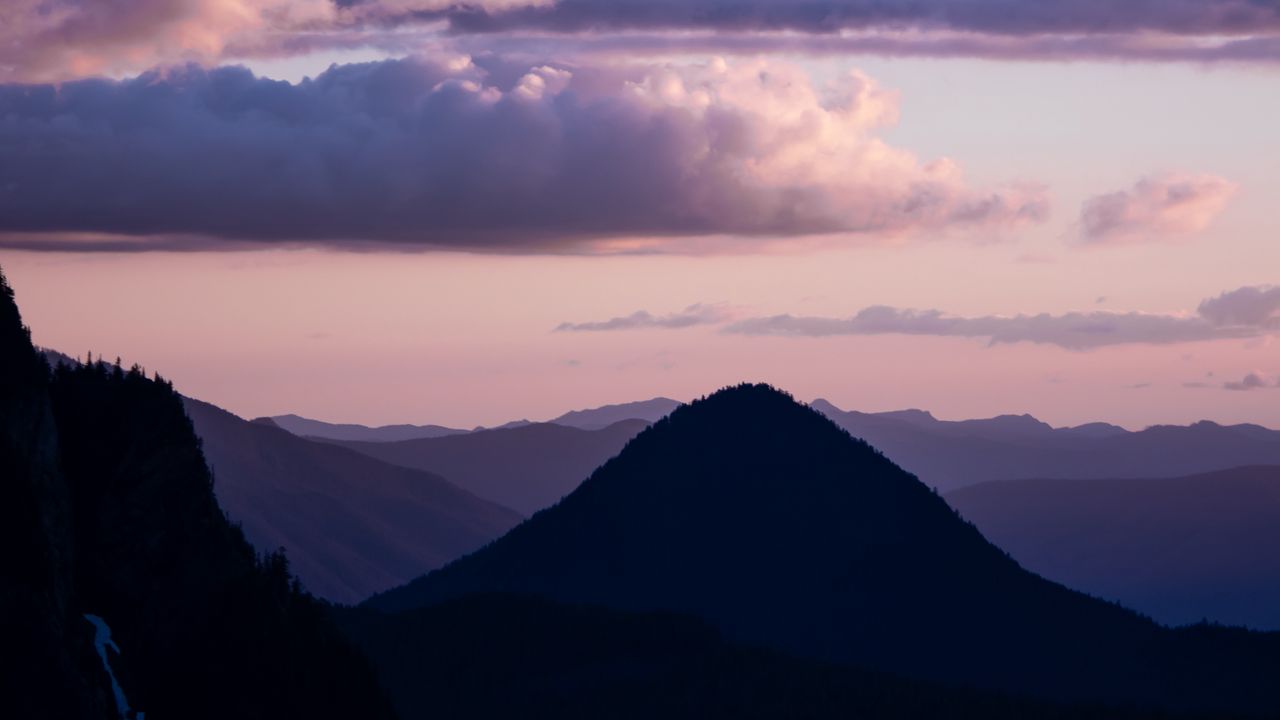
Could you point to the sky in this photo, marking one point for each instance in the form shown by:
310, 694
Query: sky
414, 211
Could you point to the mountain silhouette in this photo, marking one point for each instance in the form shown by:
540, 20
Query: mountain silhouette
1178, 549
127, 588
761, 516
493, 657
524, 468
352, 525
952, 454
53, 671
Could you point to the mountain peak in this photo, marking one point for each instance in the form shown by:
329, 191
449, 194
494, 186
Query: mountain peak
758, 514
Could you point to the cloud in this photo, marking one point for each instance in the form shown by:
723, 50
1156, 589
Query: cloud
1247, 307
1251, 381
1010, 17
696, 314
1232, 315
1156, 208
440, 153
1262, 50
54, 40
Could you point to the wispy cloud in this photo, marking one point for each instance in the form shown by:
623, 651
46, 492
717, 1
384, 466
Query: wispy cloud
1155, 209
1244, 313
696, 314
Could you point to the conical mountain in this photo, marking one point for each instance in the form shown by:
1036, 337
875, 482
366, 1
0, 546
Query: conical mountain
759, 515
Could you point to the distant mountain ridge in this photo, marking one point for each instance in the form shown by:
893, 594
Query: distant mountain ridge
353, 525
606, 415
760, 516
589, 419
953, 454
306, 427
1178, 549
525, 468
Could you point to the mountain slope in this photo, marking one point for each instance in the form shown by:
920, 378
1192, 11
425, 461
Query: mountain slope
524, 468
121, 533
950, 455
306, 427
500, 656
352, 525
1178, 549
606, 415
52, 672
762, 517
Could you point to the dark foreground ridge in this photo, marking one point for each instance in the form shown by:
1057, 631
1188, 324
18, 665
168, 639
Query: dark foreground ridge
107, 509
757, 514
496, 657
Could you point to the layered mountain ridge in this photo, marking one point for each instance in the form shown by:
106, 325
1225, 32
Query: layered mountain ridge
762, 517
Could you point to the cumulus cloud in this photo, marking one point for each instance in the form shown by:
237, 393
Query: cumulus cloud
438, 153
1235, 314
696, 314
1156, 208
1251, 381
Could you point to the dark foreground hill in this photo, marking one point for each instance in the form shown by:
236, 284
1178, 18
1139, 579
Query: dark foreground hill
1178, 549
352, 525
524, 468
760, 516
952, 454
107, 511
494, 657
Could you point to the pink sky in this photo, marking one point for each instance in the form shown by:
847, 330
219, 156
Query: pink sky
464, 339
398, 241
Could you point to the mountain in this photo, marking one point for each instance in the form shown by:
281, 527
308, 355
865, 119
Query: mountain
127, 588
602, 417
503, 656
51, 668
762, 517
1177, 549
305, 427
352, 525
524, 468
592, 419
953, 454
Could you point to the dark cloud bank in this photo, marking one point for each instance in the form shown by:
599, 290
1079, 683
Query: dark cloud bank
437, 153
1195, 17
